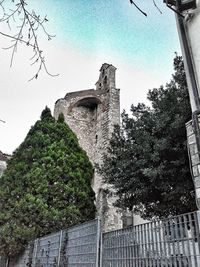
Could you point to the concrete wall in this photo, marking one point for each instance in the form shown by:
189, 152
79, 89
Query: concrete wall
92, 114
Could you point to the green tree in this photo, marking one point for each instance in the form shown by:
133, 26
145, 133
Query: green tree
147, 161
46, 187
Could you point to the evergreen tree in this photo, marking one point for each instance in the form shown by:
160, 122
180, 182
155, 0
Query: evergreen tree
147, 161
46, 187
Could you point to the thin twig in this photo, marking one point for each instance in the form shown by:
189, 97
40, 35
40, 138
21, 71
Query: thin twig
27, 20
157, 7
17, 40
36, 48
2, 121
14, 38
40, 23
7, 17
132, 2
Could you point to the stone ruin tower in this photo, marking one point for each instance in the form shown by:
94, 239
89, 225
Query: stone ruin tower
92, 114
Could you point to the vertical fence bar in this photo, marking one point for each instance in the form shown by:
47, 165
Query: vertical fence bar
132, 249
192, 237
167, 236
177, 240
116, 244
60, 246
147, 244
101, 249
173, 241
197, 227
112, 250
125, 248
98, 252
7, 262
139, 245
142, 245
183, 237
157, 243
164, 252
160, 244
152, 244
35, 255
123, 262
187, 240
128, 244
136, 247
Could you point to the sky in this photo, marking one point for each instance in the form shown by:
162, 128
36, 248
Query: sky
87, 33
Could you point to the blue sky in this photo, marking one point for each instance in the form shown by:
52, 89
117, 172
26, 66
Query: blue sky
118, 28
88, 34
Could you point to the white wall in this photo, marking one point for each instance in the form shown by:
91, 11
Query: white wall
193, 31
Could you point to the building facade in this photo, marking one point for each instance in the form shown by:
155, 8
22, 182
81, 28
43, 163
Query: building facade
188, 25
192, 24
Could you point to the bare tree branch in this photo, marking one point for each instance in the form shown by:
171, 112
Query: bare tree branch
145, 14
2, 121
132, 2
28, 24
157, 7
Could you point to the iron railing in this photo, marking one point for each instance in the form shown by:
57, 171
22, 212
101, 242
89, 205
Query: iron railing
173, 242
75, 247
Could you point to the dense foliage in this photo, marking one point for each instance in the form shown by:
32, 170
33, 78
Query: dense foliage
147, 161
46, 186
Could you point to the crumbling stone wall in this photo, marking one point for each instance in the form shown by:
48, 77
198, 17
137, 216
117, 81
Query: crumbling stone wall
92, 114
3, 159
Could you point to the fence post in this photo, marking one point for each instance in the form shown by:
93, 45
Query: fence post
198, 228
60, 245
198, 218
98, 249
101, 250
35, 254
7, 262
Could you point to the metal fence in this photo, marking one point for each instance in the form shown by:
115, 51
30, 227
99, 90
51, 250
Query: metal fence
75, 247
83, 245
173, 242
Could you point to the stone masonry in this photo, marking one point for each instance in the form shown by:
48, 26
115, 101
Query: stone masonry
3, 159
194, 155
92, 114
